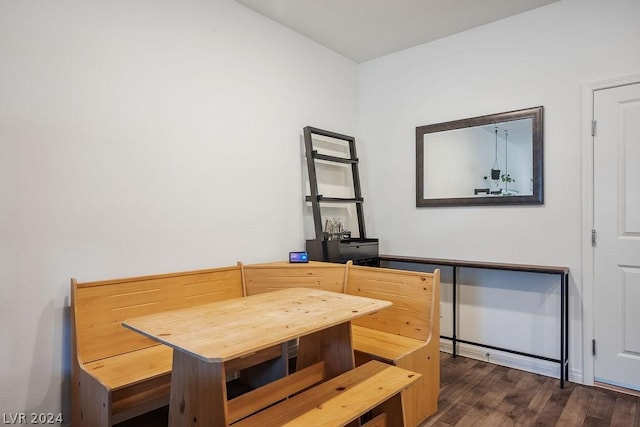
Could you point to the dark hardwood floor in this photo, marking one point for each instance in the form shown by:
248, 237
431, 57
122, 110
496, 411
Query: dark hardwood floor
476, 393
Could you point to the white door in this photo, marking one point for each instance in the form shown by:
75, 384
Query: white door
616, 217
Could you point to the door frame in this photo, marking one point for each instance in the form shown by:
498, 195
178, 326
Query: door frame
587, 175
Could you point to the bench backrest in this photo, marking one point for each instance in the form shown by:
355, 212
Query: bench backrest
260, 278
99, 308
415, 296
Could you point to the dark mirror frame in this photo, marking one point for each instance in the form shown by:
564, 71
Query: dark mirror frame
535, 113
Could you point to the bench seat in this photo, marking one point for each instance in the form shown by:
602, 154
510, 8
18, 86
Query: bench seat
337, 402
386, 346
130, 368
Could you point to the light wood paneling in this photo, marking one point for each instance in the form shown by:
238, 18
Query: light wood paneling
260, 278
413, 295
101, 307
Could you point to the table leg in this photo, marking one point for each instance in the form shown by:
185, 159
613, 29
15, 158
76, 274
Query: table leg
333, 345
198, 392
454, 304
265, 372
564, 328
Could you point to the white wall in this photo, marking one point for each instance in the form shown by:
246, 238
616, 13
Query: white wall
141, 137
541, 57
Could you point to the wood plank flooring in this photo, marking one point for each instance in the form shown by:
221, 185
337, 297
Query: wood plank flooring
476, 393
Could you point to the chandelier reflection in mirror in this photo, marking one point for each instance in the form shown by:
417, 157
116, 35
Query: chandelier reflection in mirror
493, 159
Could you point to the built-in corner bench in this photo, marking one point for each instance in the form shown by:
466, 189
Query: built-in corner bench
561, 272
405, 335
118, 374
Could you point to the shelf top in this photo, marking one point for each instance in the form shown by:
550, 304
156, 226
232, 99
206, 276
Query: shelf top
322, 198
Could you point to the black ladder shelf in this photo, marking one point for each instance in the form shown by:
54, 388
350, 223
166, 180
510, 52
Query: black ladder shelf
326, 247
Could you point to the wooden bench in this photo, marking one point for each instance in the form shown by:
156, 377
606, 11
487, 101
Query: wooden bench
406, 335
374, 386
118, 374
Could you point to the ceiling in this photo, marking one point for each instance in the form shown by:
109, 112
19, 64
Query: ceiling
365, 29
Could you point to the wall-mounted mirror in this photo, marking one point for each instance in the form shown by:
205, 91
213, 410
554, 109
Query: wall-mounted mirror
488, 160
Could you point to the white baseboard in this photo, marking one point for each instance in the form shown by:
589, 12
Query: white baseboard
510, 360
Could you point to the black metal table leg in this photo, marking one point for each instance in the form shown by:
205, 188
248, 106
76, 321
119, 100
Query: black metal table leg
564, 333
455, 311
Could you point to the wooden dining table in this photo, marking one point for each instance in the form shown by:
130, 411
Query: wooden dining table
209, 340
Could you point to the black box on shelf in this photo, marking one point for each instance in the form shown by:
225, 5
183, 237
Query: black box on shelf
360, 251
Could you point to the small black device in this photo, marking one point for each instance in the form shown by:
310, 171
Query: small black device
296, 257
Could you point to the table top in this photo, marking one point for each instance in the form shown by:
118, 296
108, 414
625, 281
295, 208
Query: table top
226, 330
